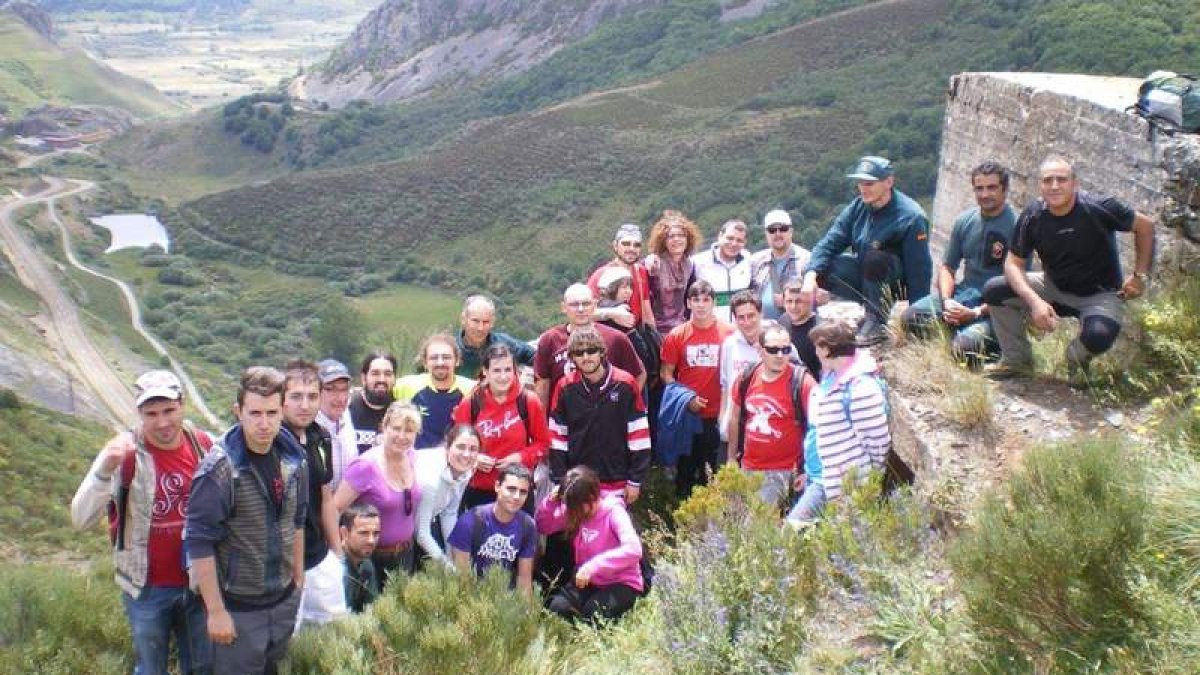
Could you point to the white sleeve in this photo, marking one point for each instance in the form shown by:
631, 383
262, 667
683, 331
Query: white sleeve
91, 498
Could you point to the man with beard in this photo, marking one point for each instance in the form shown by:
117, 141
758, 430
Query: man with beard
368, 405
359, 527
627, 245
436, 391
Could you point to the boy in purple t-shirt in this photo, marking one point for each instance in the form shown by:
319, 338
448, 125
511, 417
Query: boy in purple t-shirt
499, 533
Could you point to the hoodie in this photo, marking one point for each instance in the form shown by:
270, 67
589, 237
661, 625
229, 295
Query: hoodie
607, 548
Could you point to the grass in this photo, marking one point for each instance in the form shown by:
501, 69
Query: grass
34, 70
34, 511
930, 371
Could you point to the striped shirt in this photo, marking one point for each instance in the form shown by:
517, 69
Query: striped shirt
860, 441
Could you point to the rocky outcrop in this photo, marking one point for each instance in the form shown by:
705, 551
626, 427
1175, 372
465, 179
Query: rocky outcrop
406, 47
35, 17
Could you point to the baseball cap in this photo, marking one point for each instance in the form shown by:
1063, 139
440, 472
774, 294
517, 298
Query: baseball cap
332, 370
871, 168
157, 384
777, 217
628, 231
611, 275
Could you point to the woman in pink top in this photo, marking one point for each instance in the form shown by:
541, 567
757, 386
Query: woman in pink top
608, 552
384, 477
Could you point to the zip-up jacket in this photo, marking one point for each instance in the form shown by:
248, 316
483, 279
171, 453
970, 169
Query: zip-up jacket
602, 426
131, 557
726, 278
504, 432
899, 228
760, 267
860, 440
231, 516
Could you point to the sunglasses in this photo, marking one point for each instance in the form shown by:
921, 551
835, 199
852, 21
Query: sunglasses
777, 350
590, 351
408, 501
776, 229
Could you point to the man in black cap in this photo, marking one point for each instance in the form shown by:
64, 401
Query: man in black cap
888, 237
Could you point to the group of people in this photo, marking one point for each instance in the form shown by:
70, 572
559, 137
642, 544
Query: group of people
525, 457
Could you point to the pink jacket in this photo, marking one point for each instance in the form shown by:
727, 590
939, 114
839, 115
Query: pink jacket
606, 546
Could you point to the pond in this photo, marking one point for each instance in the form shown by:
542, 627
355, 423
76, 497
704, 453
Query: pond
133, 230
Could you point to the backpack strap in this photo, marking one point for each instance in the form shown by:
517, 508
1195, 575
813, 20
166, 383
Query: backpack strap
523, 413
477, 525
743, 386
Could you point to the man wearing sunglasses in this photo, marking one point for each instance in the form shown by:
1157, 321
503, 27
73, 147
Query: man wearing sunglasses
598, 419
764, 424
780, 262
627, 245
887, 235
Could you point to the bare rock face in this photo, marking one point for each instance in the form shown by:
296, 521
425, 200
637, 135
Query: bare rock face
406, 47
35, 17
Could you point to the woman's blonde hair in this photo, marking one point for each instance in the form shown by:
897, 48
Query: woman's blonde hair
405, 412
657, 243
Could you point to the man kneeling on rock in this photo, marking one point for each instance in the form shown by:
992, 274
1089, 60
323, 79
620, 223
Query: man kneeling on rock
1074, 235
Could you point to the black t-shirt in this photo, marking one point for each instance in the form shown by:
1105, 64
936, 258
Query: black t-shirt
366, 421
266, 466
804, 346
317, 451
1079, 250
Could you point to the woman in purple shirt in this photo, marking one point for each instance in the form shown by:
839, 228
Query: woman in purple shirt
385, 477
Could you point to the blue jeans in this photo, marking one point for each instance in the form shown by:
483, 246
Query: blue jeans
154, 616
974, 342
810, 504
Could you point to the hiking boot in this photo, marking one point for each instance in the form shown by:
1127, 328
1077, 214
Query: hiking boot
1006, 371
872, 332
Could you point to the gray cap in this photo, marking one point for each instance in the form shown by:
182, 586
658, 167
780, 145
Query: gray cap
332, 370
871, 168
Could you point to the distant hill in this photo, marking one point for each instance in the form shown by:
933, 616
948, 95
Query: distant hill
202, 7
36, 70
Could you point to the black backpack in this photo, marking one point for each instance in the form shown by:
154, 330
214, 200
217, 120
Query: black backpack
527, 531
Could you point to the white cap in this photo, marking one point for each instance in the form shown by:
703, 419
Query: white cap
777, 217
158, 384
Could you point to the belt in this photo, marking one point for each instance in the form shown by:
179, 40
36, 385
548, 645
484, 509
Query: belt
394, 548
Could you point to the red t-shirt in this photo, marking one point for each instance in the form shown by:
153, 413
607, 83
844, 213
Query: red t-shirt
500, 427
772, 437
551, 361
174, 469
696, 355
641, 286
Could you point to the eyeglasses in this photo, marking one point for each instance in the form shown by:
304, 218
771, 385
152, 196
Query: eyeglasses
582, 304
589, 351
630, 244
440, 357
677, 235
776, 229
771, 349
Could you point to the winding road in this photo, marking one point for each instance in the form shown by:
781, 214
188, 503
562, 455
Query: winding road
108, 385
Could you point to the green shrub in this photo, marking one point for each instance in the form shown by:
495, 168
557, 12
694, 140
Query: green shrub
1046, 571
54, 622
9, 399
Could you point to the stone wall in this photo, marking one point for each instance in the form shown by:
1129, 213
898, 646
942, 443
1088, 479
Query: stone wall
1018, 119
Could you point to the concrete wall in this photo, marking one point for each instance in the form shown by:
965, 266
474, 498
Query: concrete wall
1018, 119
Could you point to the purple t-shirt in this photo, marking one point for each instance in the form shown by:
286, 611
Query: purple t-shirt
397, 510
499, 543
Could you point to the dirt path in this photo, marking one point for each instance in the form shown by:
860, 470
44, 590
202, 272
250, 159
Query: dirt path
100, 377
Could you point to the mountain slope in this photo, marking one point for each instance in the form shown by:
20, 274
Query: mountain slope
35, 70
407, 47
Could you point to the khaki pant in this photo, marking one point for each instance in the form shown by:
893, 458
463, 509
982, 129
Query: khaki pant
1008, 318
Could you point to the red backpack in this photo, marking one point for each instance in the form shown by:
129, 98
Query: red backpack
199, 441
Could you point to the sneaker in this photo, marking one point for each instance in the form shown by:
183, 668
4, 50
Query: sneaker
872, 332
1005, 371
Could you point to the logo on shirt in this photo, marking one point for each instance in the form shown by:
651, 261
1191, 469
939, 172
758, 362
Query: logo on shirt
760, 410
493, 429
588, 534
703, 356
172, 498
499, 547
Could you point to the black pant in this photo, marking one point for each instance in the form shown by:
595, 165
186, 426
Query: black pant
592, 602
693, 469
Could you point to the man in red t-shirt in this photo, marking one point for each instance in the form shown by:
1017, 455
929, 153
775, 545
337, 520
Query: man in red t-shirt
691, 355
551, 362
142, 479
627, 245
770, 435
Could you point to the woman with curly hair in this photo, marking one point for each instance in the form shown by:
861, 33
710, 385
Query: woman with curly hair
673, 240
